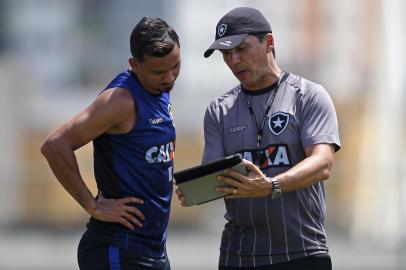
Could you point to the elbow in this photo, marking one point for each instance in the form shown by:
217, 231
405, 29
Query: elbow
326, 170
45, 148
49, 146
325, 174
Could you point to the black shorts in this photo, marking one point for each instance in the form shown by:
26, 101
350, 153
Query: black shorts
315, 262
95, 255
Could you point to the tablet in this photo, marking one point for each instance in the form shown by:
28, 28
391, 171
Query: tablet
198, 184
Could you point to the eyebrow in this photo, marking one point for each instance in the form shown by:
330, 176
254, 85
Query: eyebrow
176, 65
244, 42
240, 45
163, 71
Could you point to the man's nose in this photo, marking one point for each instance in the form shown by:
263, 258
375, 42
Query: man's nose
169, 77
233, 57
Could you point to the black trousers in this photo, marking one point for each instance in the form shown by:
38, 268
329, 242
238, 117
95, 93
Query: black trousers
315, 262
95, 255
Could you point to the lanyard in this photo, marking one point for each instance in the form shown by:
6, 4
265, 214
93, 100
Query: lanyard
260, 129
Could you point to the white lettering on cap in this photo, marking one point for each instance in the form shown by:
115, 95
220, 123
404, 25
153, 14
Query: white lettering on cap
226, 43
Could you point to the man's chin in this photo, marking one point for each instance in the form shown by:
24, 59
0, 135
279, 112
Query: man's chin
166, 89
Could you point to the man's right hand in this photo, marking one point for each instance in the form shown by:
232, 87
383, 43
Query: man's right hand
118, 210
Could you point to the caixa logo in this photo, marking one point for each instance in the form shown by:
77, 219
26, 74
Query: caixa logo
160, 153
274, 155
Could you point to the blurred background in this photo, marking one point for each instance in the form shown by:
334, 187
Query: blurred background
56, 55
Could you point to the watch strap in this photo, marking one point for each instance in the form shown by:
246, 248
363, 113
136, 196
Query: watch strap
276, 188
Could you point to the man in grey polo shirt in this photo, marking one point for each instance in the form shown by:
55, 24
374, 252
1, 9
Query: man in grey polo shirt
286, 128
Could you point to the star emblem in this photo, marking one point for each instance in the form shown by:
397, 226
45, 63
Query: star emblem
278, 122
222, 29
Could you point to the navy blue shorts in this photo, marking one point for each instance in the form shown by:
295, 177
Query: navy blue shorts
95, 255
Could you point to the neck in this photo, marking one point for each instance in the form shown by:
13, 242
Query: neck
271, 76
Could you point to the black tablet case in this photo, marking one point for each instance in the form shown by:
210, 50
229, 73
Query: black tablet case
198, 184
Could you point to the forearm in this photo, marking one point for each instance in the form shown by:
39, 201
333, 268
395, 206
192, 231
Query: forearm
316, 167
311, 170
63, 164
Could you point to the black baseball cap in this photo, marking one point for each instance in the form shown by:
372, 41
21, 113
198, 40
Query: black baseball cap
235, 26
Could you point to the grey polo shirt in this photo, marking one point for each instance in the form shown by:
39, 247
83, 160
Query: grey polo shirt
263, 231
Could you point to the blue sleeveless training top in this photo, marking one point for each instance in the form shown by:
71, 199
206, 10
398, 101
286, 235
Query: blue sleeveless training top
139, 164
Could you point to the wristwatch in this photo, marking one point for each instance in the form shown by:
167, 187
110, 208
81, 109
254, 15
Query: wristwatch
276, 188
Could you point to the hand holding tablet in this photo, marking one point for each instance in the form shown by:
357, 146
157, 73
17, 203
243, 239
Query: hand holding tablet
198, 184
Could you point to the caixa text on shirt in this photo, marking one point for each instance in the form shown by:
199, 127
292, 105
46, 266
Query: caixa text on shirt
274, 155
161, 153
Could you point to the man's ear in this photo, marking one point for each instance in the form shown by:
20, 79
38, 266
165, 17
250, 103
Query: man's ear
269, 42
133, 64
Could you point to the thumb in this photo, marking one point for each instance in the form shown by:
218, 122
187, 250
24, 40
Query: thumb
250, 166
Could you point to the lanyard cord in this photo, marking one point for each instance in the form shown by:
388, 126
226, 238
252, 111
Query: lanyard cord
260, 129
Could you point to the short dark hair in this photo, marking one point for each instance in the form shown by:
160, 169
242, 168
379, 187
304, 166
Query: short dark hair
152, 36
261, 36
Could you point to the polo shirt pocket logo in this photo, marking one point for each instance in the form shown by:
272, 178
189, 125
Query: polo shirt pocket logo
278, 122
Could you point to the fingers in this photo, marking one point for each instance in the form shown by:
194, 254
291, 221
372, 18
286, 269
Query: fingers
233, 192
178, 192
239, 180
126, 223
131, 214
251, 166
131, 200
239, 183
132, 220
227, 190
134, 211
233, 175
119, 210
252, 185
181, 197
243, 178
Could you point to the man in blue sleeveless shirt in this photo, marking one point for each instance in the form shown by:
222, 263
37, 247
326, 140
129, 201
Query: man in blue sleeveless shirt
131, 126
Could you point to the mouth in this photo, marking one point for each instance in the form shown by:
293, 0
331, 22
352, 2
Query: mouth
239, 73
165, 87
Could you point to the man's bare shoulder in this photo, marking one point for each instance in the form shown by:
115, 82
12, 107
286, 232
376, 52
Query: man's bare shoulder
115, 95
118, 105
